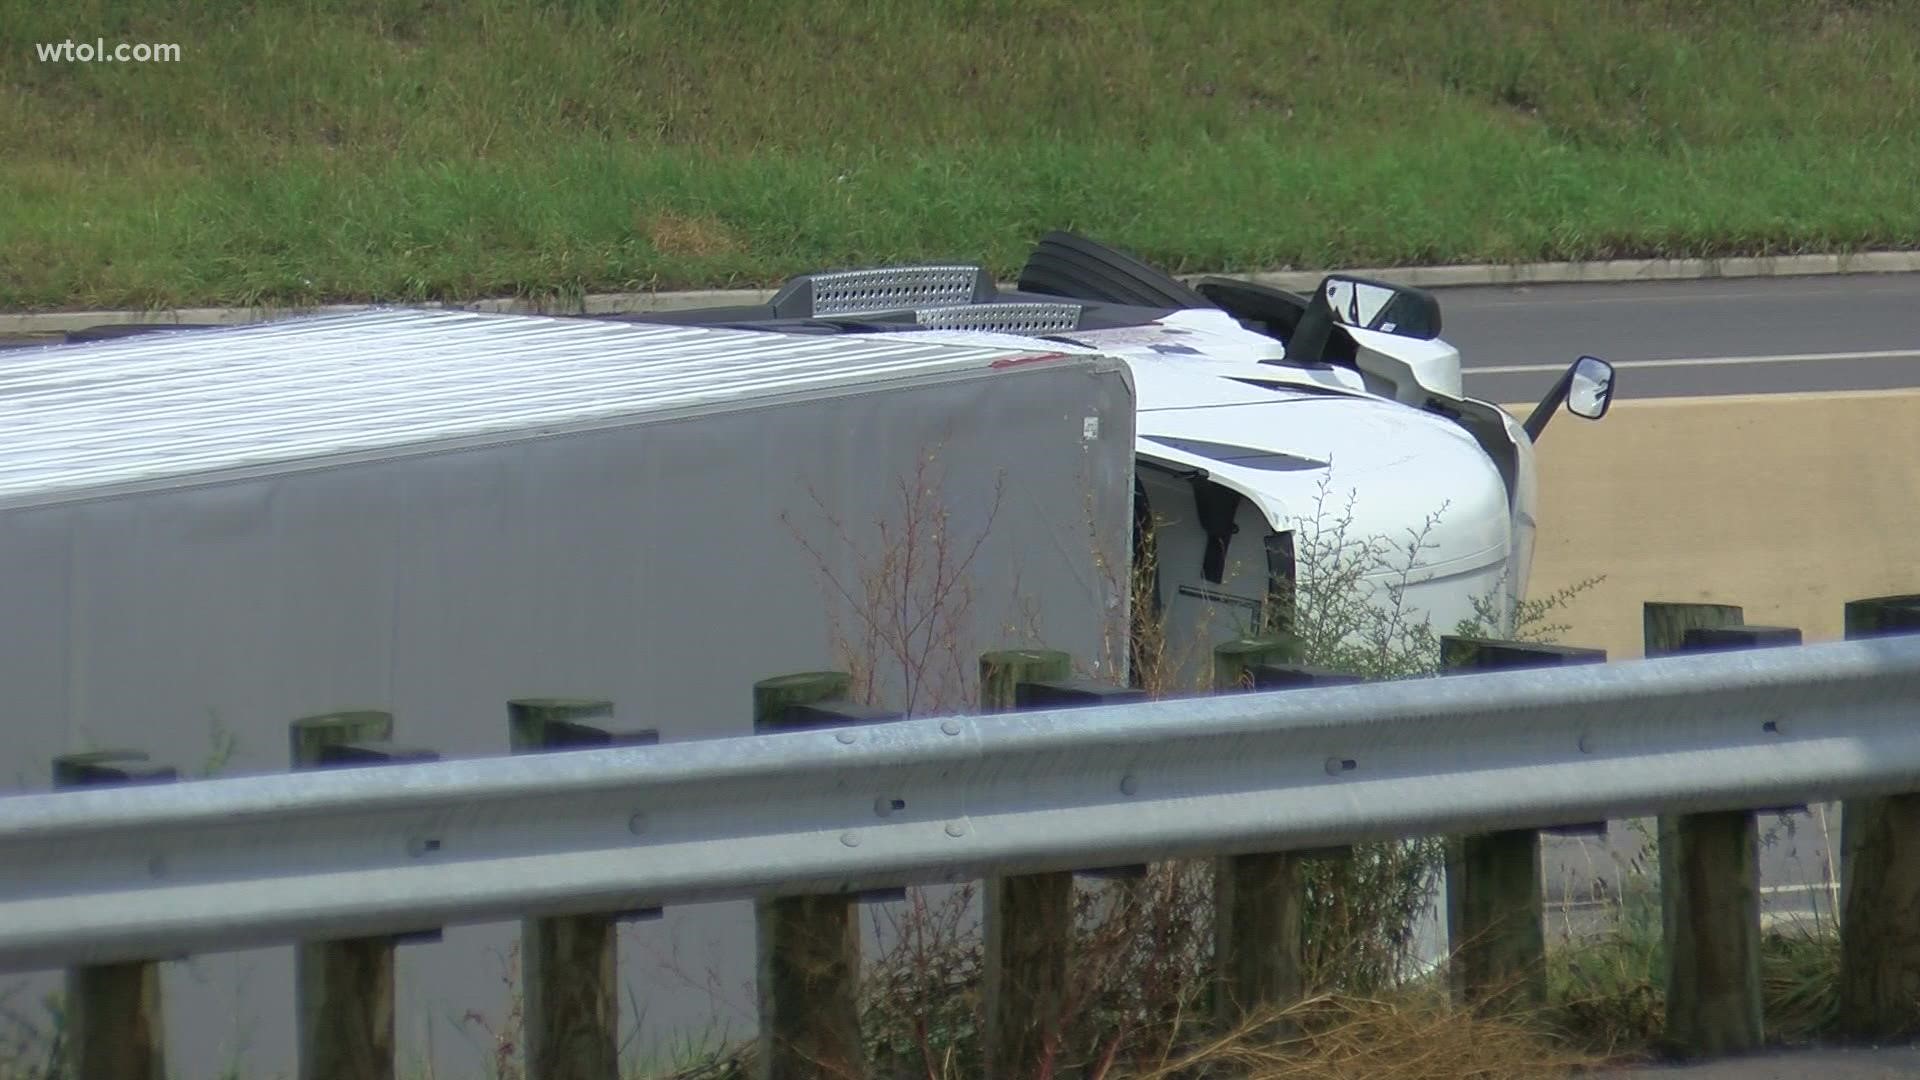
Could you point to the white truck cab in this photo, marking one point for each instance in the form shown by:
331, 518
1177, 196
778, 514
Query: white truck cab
1264, 418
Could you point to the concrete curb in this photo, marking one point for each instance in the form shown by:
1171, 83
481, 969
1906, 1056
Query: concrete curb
1546, 273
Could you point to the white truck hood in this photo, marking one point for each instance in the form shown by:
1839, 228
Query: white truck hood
1300, 458
1296, 442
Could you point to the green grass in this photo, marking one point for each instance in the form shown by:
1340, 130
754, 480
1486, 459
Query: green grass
425, 149
1607, 991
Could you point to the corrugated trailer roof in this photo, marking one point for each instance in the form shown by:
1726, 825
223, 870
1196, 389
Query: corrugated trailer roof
91, 419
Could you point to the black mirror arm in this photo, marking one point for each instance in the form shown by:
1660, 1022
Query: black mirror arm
1536, 422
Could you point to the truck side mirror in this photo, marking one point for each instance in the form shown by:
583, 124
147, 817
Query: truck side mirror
1590, 390
1378, 305
1585, 388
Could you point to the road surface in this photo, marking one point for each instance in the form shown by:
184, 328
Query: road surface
1687, 340
1680, 339
1683, 339
1886, 1063
1675, 338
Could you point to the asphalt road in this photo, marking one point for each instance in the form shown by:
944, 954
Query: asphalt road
1586, 876
1687, 340
1679, 338
1884, 1063
1683, 339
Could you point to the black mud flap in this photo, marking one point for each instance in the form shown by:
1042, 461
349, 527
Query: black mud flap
1283, 583
1216, 507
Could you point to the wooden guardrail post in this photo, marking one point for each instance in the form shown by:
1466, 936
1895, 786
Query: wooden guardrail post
1495, 905
1258, 897
115, 1022
1709, 890
1880, 878
568, 963
1028, 917
809, 946
1235, 662
1081, 694
345, 987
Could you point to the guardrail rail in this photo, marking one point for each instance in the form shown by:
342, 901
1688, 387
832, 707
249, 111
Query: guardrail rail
830, 801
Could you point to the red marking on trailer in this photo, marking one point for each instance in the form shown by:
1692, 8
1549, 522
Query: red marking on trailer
1016, 361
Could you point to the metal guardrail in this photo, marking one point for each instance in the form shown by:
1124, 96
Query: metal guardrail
151, 872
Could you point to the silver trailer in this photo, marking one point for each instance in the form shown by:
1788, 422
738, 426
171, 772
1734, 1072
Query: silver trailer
210, 533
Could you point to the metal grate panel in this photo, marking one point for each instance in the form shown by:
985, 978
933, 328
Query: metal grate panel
1002, 318
897, 288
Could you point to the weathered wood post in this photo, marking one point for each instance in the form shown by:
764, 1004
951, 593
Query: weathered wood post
1028, 917
1300, 677
1495, 904
1236, 662
1709, 890
1880, 878
1258, 897
344, 1010
1082, 694
568, 963
115, 1023
809, 946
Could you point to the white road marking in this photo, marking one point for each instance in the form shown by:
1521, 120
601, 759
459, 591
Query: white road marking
1708, 361
1653, 294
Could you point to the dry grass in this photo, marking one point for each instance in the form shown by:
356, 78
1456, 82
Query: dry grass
688, 236
1140, 993
1412, 1035
502, 1038
1800, 982
1416, 1035
897, 619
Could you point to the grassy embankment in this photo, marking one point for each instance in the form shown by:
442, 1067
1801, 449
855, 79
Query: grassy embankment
417, 149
